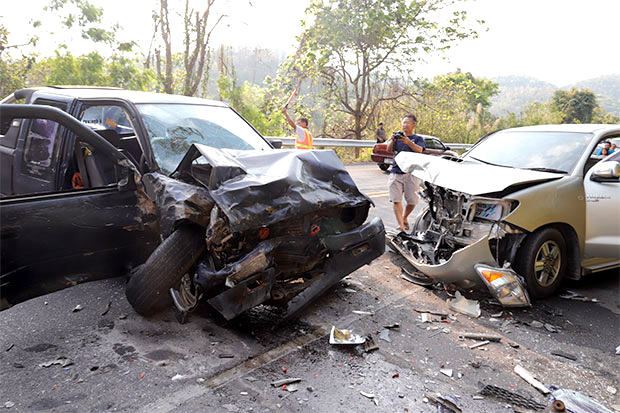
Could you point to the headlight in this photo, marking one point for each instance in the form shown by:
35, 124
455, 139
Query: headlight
504, 284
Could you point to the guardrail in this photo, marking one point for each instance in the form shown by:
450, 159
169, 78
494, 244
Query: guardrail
349, 143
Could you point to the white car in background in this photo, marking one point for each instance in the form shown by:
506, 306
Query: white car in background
508, 215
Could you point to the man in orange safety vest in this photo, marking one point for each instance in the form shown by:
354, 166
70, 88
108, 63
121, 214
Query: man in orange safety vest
303, 140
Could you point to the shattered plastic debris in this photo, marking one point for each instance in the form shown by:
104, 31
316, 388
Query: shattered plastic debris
528, 377
445, 403
279, 383
77, 308
392, 326
337, 336
370, 344
617, 350
177, 377
61, 361
578, 403
536, 324
571, 295
465, 306
385, 335
447, 372
551, 328
370, 396
8, 405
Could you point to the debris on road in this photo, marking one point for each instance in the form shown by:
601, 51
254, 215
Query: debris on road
370, 344
122, 316
528, 377
511, 397
226, 356
443, 330
61, 361
465, 306
350, 290
617, 350
551, 328
8, 405
362, 312
10, 347
385, 335
417, 278
338, 336
77, 308
280, 383
447, 372
576, 402
477, 336
370, 396
571, 295
392, 326
107, 308
536, 324
434, 312
178, 377
482, 343
446, 403
563, 354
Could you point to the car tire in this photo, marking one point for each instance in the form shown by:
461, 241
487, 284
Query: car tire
384, 166
148, 287
542, 261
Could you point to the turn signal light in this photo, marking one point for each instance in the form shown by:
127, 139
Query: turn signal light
263, 233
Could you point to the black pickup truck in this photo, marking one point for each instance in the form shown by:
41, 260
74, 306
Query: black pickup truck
181, 193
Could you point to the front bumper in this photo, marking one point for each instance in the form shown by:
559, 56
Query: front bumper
459, 269
347, 253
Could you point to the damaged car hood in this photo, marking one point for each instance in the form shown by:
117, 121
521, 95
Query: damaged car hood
259, 188
467, 176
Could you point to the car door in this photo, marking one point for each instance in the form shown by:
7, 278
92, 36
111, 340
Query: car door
602, 212
56, 237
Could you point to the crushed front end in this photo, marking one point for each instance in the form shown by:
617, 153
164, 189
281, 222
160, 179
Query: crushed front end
457, 232
281, 227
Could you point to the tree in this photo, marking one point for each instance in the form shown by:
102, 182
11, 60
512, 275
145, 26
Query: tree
455, 106
576, 106
356, 49
196, 56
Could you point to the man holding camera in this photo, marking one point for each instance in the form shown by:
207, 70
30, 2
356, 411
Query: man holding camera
400, 183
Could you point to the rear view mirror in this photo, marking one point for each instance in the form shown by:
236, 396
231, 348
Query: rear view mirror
606, 172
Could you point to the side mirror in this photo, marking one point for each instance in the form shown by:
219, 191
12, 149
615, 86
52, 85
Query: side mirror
276, 143
448, 148
608, 171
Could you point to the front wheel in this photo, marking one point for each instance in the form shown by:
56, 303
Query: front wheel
148, 288
384, 166
542, 261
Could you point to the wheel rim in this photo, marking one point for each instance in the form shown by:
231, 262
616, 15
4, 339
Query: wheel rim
547, 263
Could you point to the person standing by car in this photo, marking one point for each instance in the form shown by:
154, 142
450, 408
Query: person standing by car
380, 133
401, 183
303, 140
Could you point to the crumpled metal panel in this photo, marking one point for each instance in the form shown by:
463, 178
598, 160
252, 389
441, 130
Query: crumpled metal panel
177, 201
271, 186
467, 176
459, 269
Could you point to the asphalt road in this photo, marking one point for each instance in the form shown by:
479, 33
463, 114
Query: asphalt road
105, 357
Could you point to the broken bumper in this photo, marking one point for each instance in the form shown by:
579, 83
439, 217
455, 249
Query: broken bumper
459, 269
347, 253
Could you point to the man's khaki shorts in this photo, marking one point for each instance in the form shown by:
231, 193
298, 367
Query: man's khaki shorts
403, 184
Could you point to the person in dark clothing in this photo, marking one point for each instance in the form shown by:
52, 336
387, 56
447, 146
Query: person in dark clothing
401, 183
380, 133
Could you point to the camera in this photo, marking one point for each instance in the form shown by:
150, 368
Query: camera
398, 135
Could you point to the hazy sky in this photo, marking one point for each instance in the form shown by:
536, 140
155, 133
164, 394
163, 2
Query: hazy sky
559, 41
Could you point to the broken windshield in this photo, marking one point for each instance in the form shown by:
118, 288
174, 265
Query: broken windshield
173, 128
548, 151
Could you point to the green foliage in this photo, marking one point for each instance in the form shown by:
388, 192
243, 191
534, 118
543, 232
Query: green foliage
576, 106
355, 48
455, 106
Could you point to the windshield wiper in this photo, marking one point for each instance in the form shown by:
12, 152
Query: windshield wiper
541, 169
489, 163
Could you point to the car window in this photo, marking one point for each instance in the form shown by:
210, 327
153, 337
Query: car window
532, 149
107, 117
173, 128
